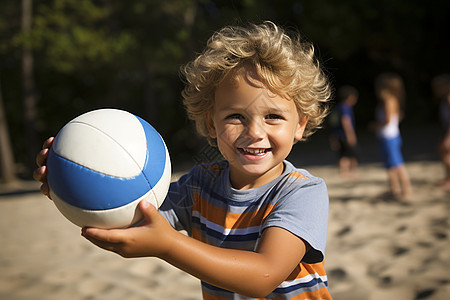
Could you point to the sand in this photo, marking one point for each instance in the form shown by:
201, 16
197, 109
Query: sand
43, 256
378, 247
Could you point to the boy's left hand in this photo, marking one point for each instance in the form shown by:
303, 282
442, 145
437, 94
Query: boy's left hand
152, 238
40, 173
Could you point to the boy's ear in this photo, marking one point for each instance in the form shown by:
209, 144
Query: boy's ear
210, 125
301, 128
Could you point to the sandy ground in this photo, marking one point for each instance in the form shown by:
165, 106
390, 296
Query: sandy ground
43, 256
378, 248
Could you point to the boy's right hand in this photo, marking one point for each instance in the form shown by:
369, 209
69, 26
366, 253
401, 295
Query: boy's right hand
40, 173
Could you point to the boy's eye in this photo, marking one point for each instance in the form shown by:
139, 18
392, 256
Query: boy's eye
235, 116
274, 117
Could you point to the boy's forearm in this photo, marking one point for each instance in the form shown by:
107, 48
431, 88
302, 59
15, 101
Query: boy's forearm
245, 272
253, 274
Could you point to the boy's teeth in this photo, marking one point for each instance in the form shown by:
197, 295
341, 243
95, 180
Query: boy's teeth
254, 151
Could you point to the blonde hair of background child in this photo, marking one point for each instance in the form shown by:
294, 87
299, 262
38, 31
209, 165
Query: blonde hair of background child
393, 84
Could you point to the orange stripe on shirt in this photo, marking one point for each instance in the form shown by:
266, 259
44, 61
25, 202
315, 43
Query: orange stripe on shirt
298, 175
227, 219
216, 168
304, 269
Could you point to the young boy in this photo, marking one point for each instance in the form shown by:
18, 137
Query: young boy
256, 225
344, 139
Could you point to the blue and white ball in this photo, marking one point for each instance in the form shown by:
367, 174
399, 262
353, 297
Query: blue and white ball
102, 164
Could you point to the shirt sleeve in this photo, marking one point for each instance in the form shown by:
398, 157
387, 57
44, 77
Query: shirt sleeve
177, 207
346, 110
303, 211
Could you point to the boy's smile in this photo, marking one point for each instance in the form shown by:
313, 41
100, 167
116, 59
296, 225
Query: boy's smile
255, 128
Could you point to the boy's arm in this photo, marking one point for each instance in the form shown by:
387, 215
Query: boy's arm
350, 134
253, 274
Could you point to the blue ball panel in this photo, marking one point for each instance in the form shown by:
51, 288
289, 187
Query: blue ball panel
87, 189
156, 154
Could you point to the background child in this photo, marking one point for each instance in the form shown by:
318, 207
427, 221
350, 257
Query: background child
344, 140
256, 224
390, 91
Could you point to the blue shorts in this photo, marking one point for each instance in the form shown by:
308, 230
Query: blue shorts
391, 151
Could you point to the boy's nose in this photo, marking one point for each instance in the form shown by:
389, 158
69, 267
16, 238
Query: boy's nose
255, 130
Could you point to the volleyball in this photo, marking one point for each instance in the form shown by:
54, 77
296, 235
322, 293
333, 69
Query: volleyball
102, 164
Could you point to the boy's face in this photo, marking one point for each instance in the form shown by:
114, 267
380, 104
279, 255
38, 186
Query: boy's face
255, 128
352, 100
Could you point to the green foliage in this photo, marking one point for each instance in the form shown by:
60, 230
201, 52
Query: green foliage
69, 34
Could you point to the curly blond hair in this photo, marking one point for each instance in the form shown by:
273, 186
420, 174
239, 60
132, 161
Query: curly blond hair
285, 65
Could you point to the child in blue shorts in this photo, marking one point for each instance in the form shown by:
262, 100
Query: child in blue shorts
390, 92
391, 151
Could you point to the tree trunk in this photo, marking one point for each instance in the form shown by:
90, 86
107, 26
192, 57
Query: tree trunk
28, 89
7, 171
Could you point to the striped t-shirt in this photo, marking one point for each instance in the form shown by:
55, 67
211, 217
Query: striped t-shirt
203, 203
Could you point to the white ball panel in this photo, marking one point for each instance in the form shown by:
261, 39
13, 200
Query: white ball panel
121, 126
71, 144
